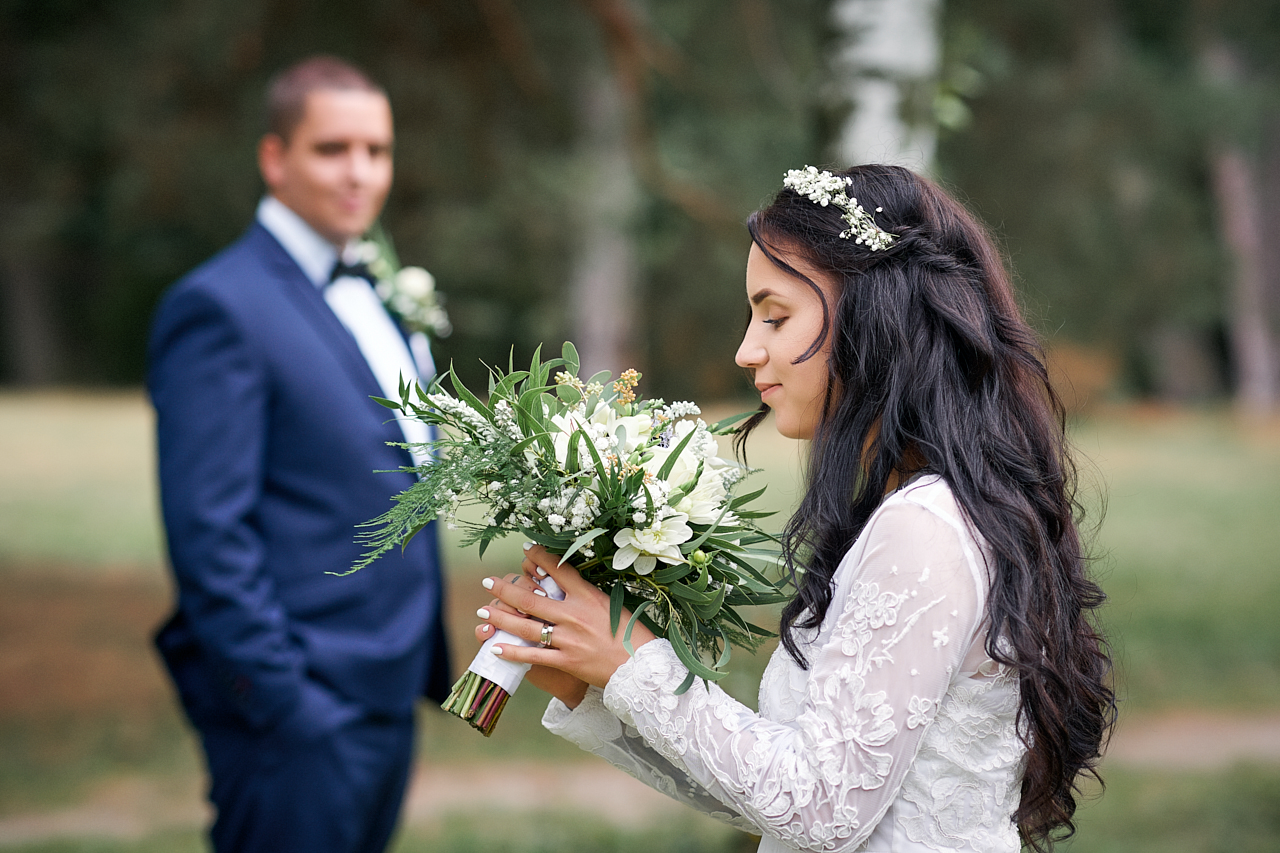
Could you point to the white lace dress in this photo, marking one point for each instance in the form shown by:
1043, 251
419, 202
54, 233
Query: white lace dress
901, 735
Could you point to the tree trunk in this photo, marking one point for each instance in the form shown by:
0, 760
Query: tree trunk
1253, 346
29, 328
1270, 223
604, 274
886, 69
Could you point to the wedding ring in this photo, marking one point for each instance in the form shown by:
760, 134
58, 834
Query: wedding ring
545, 642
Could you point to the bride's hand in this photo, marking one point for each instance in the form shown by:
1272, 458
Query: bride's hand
565, 687
582, 645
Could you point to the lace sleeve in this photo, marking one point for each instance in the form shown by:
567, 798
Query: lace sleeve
594, 728
906, 609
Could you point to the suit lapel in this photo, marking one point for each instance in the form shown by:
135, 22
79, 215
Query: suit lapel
311, 305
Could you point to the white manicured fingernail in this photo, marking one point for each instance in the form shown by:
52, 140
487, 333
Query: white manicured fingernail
528, 545
484, 629
497, 650
537, 591
487, 583
542, 573
482, 613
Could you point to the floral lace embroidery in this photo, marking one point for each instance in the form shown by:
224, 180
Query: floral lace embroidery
966, 781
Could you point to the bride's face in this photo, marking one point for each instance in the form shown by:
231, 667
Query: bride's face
786, 318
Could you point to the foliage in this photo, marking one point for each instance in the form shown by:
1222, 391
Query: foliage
129, 130
1084, 139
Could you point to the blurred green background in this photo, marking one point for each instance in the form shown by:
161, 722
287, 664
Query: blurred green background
1126, 153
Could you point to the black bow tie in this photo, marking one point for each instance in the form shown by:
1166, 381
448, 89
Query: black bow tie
359, 269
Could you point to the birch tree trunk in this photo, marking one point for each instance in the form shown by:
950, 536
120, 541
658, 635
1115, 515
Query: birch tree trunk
1237, 188
604, 274
1253, 346
886, 68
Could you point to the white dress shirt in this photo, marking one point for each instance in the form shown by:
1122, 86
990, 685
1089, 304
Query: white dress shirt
358, 308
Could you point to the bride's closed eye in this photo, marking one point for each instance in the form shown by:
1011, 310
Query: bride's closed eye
775, 321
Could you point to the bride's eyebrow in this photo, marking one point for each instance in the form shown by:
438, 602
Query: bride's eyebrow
761, 296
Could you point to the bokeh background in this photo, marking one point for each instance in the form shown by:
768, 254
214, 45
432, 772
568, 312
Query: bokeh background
581, 170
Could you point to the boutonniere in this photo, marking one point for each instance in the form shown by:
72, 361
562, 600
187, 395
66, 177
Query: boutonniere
409, 293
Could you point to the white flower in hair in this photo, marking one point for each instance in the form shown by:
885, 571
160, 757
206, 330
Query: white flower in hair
824, 188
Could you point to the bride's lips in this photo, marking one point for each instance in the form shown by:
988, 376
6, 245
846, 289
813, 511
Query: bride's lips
766, 390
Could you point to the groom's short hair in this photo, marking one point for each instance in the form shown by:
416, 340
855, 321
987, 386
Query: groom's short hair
287, 92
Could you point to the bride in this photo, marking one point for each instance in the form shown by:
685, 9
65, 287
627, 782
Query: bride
941, 684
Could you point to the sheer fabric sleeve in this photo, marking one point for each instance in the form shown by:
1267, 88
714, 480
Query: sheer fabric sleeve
592, 727
907, 607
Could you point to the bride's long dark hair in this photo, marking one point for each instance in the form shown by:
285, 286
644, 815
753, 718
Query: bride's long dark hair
932, 368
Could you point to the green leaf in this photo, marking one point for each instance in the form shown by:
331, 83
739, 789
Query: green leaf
745, 499
571, 457
703, 579
688, 593
665, 471
584, 539
631, 624
748, 568
724, 424
525, 443
728, 648
686, 684
616, 597
507, 385
676, 637
570, 355
383, 401
708, 611
465, 395
671, 573
535, 366
568, 394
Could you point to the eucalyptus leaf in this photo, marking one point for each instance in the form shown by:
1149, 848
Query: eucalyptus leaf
617, 597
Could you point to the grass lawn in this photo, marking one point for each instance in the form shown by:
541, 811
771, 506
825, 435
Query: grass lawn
1187, 552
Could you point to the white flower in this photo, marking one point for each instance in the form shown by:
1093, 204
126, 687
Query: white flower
705, 501
680, 409
415, 282
464, 414
638, 427
824, 188
644, 547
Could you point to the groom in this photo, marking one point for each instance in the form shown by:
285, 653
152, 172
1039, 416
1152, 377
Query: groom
262, 364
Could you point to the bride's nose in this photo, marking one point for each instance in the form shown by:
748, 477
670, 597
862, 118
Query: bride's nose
750, 354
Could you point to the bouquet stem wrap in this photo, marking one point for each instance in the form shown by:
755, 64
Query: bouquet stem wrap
482, 692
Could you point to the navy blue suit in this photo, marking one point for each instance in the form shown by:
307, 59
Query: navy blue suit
268, 447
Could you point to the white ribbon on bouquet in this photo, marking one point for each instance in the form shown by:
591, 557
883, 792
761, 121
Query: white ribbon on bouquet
505, 673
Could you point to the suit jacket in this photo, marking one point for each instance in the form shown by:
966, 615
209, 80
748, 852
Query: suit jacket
269, 446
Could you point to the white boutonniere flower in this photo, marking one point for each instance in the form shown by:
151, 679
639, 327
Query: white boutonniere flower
409, 293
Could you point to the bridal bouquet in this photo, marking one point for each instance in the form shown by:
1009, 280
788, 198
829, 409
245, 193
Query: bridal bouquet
631, 492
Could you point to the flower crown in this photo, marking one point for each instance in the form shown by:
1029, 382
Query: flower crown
826, 188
